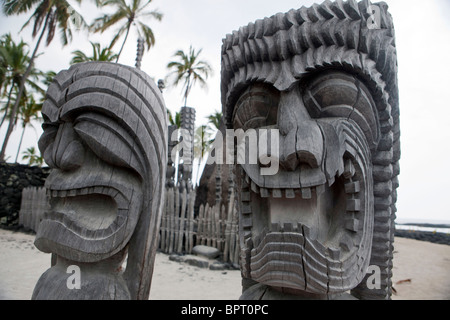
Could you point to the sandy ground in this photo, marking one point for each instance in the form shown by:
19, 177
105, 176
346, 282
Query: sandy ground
424, 266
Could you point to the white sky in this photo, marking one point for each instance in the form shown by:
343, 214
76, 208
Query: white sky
423, 44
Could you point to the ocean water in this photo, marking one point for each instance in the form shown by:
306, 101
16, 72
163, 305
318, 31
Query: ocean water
438, 226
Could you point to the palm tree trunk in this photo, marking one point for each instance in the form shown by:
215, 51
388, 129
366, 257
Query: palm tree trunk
7, 104
187, 89
20, 93
20, 143
124, 40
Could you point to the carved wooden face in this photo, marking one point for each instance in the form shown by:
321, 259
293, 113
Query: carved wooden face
309, 227
95, 188
94, 203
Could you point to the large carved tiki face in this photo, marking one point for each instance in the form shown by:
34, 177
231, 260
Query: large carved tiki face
326, 79
105, 139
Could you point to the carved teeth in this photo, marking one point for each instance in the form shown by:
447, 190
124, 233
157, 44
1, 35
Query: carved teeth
249, 243
306, 193
81, 192
353, 205
290, 193
306, 231
246, 178
288, 227
264, 192
352, 187
352, 225
245, 196
276, 193
254, 187
349, 169
275, 227
319, 190
98, 190
335, 254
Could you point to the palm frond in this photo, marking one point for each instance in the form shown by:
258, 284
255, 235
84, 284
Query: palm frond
148, 35
187, 67
106, 21
11, 7
154, 14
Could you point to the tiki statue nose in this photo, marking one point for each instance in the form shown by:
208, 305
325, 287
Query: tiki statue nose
303, 146
303, 143
68, 152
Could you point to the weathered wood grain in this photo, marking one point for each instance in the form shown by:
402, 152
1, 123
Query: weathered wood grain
105, 138
330, 81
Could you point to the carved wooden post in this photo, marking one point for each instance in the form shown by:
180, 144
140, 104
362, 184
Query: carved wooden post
163, 228
187, 123
325, 78
181, 229
105, 138
201, 213
209, 225
190, 223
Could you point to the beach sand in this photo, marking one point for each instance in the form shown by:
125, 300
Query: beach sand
421, 272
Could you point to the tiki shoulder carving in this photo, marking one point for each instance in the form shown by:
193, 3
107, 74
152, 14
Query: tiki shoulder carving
327, 80
105, 138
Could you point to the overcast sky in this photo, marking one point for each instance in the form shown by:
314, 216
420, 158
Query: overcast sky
423, 44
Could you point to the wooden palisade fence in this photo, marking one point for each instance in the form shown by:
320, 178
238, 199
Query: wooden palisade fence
215, 226
33, 204
177, 222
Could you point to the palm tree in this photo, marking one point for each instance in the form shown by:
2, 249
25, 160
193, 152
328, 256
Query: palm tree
214, 122
174, 120
190, 69
132, 14
15, 59
29, 112
3, 67
202, 142
98, 54
48, 78
33, 159
48, 16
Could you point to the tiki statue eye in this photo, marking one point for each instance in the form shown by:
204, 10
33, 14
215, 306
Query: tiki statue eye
257, 107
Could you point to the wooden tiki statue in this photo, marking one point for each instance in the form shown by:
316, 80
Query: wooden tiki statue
326, 78
105, 138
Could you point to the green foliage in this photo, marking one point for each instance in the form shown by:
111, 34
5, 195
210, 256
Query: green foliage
48, 17
132, 14
98, 54
189, 70
174, 120
33, 158
215, 120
